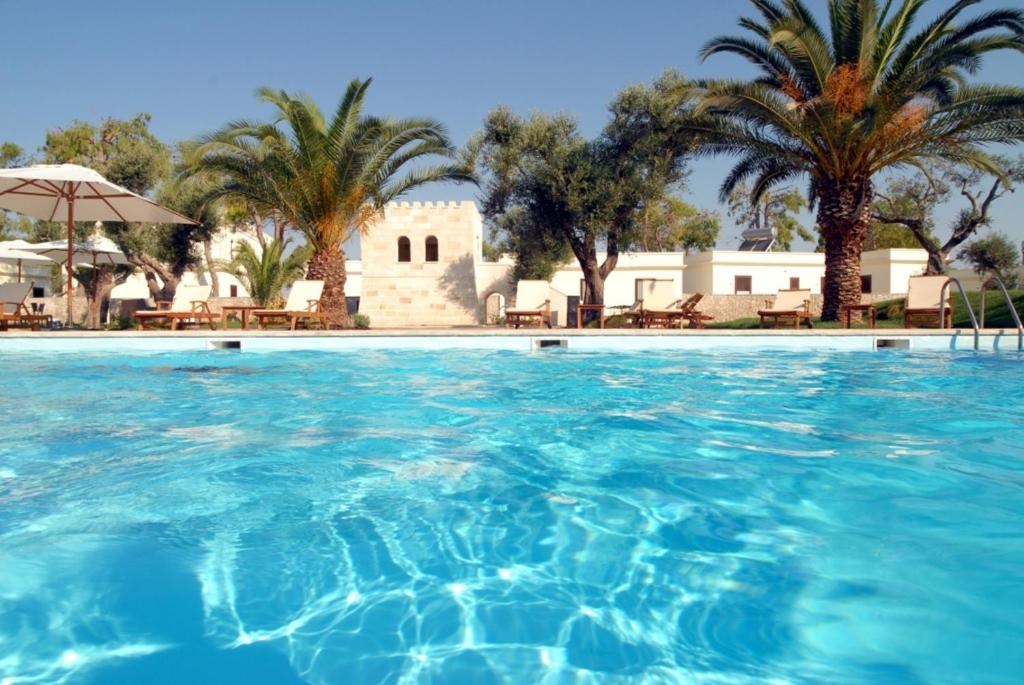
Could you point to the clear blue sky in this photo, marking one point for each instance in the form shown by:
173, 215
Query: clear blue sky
195, 65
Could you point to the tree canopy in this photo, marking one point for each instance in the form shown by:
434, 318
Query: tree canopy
907, 206
549, 190
994, 255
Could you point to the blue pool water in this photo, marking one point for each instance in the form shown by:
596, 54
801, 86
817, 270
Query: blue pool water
474, 517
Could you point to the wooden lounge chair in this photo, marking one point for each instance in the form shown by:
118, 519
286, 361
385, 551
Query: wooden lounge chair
533, 305
303, 305
13, 309
794, 305
922, 306
654, 297
189, 306
686, 311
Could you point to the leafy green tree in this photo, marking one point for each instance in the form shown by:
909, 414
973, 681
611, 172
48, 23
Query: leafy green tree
675, 225
773, 209
12, 226
123, 150
994, 255
548, 189
905, 199
909, 204
327, 179
838, 103
11, 155
266, 272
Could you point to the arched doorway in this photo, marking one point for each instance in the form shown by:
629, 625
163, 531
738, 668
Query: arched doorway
494, 308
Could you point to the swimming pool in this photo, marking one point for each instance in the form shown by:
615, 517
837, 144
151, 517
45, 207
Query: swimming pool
485, 517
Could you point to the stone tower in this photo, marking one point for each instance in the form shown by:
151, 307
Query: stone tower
421, 266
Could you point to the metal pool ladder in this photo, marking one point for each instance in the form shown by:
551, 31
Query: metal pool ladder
1009, 304
967, 304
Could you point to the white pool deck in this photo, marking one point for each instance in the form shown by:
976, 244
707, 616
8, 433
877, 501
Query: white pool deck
609, 340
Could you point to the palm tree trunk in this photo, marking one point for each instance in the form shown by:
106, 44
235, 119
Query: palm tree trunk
329, 266
844, 214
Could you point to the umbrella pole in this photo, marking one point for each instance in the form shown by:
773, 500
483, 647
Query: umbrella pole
71, 230
19, 271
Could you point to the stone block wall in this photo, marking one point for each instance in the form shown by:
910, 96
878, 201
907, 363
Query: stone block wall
732, 307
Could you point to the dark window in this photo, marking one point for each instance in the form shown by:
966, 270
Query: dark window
233, 291
865, 284
38, 292
743, 285
794, 283
431, 249
404, 250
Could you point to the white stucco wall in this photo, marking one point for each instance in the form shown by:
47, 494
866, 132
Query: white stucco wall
39, 276
714, 272
620, 287
890, 270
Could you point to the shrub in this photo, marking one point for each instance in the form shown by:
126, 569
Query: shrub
361, 321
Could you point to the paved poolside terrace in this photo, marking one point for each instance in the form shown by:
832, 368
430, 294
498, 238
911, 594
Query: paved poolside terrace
996, 339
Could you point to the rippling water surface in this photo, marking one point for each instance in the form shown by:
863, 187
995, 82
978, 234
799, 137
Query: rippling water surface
471, 517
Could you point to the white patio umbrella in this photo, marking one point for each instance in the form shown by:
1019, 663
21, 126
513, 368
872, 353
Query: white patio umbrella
11, 252
94, 252
68, 191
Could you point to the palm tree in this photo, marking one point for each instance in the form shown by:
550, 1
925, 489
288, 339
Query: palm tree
326, 179
266, 272
838, 106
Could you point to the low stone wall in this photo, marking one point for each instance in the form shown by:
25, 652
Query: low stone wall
732, 307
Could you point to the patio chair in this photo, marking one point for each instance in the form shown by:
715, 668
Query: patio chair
788, 305
303, 305
654, 297
13, 308
922, 305
686, 311
189, 306
533, 305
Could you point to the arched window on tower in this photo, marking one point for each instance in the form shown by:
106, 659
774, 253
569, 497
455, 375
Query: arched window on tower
431, 249
404, 250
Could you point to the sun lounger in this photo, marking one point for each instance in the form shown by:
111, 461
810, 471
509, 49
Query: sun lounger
922, 304
654, 297
303, 306
668, 318
14, 310
789, 305
533, 305
189, 306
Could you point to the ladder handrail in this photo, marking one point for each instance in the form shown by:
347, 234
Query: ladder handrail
1009, 303
967, 303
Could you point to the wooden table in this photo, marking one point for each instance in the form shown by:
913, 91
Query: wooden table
847, 310
582, 309
244, 310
